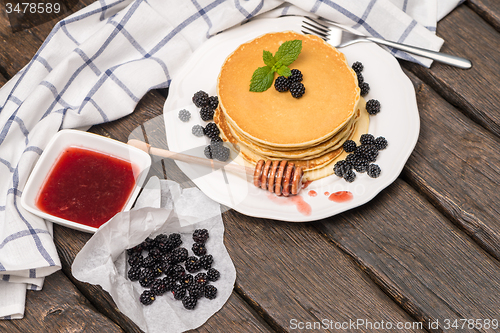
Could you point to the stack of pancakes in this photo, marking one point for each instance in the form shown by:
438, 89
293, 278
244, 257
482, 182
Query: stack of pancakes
308, 131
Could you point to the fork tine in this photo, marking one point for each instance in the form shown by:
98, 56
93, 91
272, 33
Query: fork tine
313, 31
318, 27
318, 23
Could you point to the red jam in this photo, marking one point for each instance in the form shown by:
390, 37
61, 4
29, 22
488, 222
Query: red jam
86, 186
312, 193
340, 196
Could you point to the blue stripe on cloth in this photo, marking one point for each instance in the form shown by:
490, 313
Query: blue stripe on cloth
18, 235
405, 5
44, 62
7, 164
204, 15
248, 15
88, 62
182, 25
362, 20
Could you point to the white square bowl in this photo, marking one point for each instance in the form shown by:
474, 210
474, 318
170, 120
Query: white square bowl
74, 138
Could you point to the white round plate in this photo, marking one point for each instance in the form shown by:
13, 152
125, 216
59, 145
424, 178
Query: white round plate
398, 122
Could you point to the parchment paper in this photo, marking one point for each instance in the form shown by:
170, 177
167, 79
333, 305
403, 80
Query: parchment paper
102, 261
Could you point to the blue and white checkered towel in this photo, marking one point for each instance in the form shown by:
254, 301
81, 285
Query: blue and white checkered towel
97, 64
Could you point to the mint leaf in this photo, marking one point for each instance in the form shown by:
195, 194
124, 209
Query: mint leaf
262, 79
284, 71
288, 51
268, 58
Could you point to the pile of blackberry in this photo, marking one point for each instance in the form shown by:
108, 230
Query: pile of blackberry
162, 265
293, 83
361, 158
208, 104
373, 105
364, 86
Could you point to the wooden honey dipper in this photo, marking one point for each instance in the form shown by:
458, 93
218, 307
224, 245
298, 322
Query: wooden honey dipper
278, 177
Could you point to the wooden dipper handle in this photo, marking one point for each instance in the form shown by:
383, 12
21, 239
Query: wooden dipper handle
278, 177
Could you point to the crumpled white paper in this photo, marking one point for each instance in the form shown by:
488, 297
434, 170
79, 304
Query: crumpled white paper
102, 261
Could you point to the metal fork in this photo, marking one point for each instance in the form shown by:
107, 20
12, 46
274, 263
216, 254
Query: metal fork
347, 37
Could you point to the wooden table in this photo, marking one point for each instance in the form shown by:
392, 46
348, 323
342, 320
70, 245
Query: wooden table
424, 253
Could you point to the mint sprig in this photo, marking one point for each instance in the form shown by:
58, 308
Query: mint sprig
263, 77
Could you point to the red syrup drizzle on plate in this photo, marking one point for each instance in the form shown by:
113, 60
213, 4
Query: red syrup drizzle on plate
312, 193
327, 193
340, 196
303, 207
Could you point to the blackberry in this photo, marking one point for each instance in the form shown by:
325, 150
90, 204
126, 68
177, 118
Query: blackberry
175, 239
157, 269
184, 115
189, 302
158, 287
200, 99
365, 88
349, 146
199, 249
147, 244
198, 130
373, 170
281, 84
134, 273
206, 261
192, 264
373, 106
135, 260
208, 152
201, 278
178, 255
196, 290
146, 278
165, 246
175, 271
213, 274
369, 152
147, 297
349, 176
155, 251
210, 292
213, 102
361, 79
342, 167
206, 113
211, 130
135, 250
219, 151
296, 76
186, 280
367, 139
380, 143
216, 140
200, 235
149, 261
169, 282
361, 164
351, 159
179, 291
357, 67
297, 89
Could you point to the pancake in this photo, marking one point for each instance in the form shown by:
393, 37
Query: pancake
315, 168
277, 120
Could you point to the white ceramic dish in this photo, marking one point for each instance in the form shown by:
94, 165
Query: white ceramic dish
66, 138
398, 122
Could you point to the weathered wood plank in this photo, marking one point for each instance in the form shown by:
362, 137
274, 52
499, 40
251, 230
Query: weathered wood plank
457, 165
424, 263
489, 10
293, 275
236, 316
59, 307
474, 90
